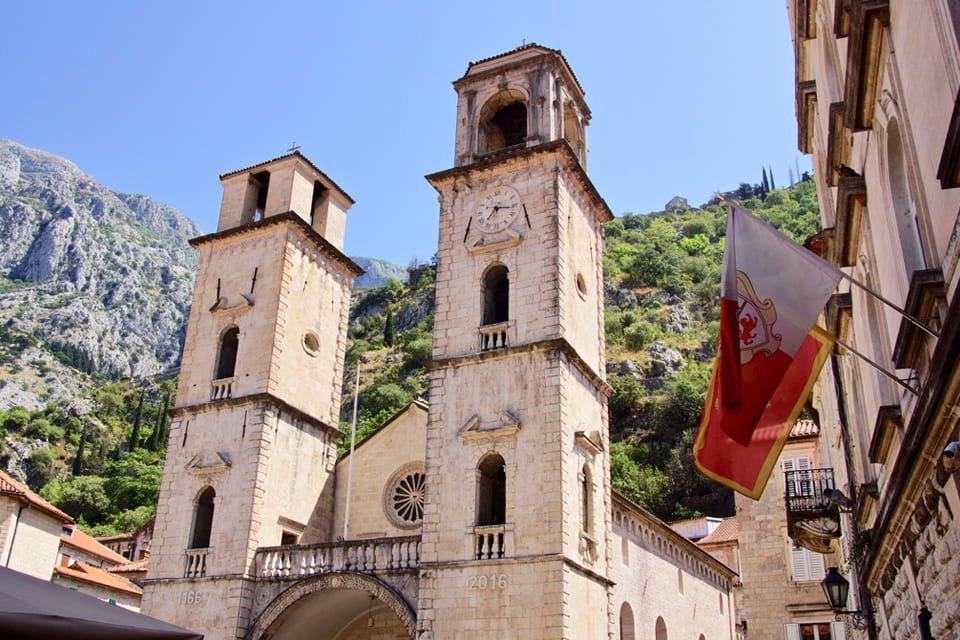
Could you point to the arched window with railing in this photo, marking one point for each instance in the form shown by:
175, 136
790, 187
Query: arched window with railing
227, 353
496, 295
491, 491
202, 519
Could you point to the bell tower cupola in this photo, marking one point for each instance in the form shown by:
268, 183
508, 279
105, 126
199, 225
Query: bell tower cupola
290, 183
521, 98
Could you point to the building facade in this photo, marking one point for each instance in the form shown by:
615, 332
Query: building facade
877, 85
487, 512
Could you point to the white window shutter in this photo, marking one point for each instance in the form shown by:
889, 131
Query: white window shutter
815, 565
838, 631
791, 632
798, 564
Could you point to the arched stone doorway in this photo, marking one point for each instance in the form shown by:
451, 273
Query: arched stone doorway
345, 606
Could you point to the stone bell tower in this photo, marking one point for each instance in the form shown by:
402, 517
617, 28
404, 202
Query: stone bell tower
254, 428
517, 517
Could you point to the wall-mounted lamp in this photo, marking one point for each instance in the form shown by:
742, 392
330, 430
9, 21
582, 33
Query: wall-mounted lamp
836, 588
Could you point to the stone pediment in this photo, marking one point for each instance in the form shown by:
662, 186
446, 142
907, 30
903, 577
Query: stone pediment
223, 306
486, 244
592, 441
505, 424
206, 462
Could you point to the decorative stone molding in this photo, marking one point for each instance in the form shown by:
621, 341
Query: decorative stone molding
206, 463
329, 582
476, 429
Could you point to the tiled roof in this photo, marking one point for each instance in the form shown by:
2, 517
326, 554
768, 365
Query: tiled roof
726, 531
130, 567
805, 429
10, 487
532, 45
296, 154
79, 540
96, 576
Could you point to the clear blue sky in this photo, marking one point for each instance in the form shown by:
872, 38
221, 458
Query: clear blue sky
161, 97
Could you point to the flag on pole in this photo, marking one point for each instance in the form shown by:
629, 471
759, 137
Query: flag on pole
769, 353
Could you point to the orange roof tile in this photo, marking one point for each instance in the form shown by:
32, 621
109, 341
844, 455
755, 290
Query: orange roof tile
10, 487
805, 429
79, 540
130, 567
96, 576
726, 531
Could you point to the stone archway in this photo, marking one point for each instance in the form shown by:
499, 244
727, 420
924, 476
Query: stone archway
341, 605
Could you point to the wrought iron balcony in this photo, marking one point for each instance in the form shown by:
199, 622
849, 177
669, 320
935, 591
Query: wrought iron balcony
812, 520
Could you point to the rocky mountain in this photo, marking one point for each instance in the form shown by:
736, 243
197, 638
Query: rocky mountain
91, 279
377, 272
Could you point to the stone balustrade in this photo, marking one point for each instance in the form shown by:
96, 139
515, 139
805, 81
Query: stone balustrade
489, 542
195, 563
494, 336
364, 556
221, 389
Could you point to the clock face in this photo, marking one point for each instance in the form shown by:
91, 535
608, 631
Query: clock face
498, 210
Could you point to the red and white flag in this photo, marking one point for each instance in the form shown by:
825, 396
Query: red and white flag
770, 352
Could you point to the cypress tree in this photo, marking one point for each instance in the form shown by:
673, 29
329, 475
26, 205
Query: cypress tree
765, 183
388, 330
158, 442
135, 435
78, 460
772, 185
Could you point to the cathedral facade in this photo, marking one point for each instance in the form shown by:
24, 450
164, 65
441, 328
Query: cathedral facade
486, 512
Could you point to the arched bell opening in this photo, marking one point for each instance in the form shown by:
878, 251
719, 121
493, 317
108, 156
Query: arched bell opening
503, 121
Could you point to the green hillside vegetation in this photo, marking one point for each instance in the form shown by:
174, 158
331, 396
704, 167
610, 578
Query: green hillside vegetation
662, 274
103, 467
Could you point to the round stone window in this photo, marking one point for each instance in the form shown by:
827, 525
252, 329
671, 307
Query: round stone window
403, 496
581, 285
311, 343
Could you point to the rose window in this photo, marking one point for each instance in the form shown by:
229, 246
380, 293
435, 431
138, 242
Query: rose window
404, 498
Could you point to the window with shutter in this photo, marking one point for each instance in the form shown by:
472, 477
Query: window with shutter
801, 482
806, 565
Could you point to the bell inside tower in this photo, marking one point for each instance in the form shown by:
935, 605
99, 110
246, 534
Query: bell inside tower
503, 121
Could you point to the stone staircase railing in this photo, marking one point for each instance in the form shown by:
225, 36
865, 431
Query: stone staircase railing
365, 556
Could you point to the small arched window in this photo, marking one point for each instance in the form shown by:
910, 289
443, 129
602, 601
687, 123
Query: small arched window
626, 622
496, 295
203, 519
661, 629
586, 499
503, 121
491, 491
227, 356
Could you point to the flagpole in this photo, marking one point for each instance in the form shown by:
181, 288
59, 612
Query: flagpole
353, 442
877, 366
899, 310
913, 319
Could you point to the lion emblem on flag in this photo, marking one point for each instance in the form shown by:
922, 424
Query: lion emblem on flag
755, 320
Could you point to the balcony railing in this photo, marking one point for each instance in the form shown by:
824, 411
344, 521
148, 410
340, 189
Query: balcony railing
222, 389
489, 542
494, 336
195, 563
805, 489
365, 556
